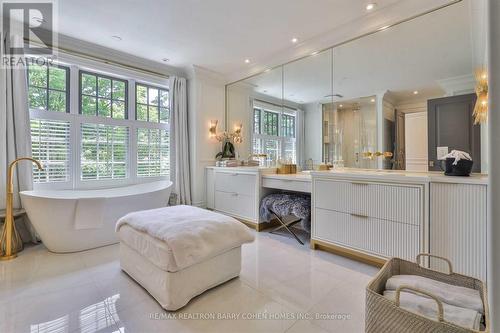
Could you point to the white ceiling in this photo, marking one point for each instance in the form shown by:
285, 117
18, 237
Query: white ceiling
415, 55
216, 34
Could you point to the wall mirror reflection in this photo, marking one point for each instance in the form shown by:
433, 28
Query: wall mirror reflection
394, 99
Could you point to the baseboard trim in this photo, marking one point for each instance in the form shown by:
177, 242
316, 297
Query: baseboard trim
348, 253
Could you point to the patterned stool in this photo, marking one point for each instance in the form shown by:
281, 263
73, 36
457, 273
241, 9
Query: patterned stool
282, 205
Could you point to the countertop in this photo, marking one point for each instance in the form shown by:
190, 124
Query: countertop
365, 174
403, 176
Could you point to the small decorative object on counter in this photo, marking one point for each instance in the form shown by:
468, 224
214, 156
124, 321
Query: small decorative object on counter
458, 163
286, 167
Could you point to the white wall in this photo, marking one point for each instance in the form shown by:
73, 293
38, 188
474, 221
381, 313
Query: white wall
206, 101
493, 253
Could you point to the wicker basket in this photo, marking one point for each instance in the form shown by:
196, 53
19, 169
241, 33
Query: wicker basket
385, 316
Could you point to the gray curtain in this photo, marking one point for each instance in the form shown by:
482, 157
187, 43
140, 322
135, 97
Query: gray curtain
179, 141
15, 139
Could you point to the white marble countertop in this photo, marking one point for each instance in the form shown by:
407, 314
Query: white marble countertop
243, 168
401, 175
366, 174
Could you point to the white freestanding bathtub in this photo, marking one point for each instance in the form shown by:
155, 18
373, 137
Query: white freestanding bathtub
53, 213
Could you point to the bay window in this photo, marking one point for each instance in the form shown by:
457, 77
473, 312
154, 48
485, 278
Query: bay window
87, 134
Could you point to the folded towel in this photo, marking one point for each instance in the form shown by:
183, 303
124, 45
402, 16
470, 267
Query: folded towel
458, 155
89, 213
427, 307
447, 293
192, 234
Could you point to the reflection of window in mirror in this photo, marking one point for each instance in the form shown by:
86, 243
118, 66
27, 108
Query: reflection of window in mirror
274, 132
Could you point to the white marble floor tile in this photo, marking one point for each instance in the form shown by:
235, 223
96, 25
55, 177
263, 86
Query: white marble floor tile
280, 281
305, 326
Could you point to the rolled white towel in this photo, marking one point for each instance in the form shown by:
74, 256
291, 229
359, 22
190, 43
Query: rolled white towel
458, 155
447, 293
427, 307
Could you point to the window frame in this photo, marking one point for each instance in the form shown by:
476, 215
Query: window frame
98, 75
280, 138
75, 118
48, 89
148, 105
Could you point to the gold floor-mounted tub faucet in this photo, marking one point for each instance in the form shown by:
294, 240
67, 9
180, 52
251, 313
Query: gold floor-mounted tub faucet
9, 237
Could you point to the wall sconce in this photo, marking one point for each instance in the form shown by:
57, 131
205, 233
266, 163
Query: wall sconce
481, 109
237, 133
213, 128
234, 136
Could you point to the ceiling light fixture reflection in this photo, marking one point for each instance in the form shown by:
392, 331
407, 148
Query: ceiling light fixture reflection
371, 6
247, 61
415, 92
373, 100
295, 40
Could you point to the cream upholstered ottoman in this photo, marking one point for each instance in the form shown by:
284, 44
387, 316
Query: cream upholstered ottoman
177, 253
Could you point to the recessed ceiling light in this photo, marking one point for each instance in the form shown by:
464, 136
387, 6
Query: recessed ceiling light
371, 6
415, 92
115, 37
295, 40
247, 61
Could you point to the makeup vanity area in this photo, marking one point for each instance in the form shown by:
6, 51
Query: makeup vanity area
368, 214
381, 122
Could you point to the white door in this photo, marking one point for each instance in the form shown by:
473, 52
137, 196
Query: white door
416, 137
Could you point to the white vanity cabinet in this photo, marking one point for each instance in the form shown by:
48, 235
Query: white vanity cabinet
377, 215
458, 229
234, 191
379, 219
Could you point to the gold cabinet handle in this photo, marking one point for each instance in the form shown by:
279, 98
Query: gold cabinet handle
359, 183
359, 215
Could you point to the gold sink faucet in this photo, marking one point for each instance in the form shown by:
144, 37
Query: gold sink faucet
9, 237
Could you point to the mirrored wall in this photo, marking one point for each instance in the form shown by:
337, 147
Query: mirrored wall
365, 104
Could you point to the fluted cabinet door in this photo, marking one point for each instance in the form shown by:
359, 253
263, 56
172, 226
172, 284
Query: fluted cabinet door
458, 216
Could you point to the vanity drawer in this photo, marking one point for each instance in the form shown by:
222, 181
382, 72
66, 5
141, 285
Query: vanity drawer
234, 182
239, 205
287, 184
393, 202
380, 237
